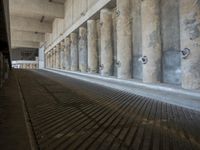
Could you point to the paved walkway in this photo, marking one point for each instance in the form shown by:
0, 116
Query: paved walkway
69, 114
13, 133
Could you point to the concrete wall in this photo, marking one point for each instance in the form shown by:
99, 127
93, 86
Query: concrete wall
171, 63
170, 34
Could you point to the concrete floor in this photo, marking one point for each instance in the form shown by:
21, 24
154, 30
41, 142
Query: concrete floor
13, 133
68, 113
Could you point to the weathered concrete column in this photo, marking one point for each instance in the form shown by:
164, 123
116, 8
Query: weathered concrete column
51, 65
60, 56
124, 52
106, 43
74, 52
57, 56
62, 47
67, 54
190, 43
82, 49
92, 47
54, 57
98, 43
50, 59
151, 41
46, 60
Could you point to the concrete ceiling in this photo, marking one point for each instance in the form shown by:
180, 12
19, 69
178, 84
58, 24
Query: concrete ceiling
31, 19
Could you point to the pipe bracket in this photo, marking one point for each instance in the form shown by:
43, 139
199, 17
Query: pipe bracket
101, 24
101, 67
143, 60
117, 13
118, 64
185, 53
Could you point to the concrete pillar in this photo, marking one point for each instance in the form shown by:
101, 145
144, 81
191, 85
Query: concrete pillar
37, 64
58, 56
54, 57
92, 46
124, 51
74, 52
62, 61
106, 43
46, 60
67, 54
51, 59
49, 64
98, 42
151, 41
190, 43
114, 40
82, 49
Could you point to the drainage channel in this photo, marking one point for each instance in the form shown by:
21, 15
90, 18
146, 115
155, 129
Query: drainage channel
30, 130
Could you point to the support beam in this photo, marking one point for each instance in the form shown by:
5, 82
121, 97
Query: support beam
151, 41
82, 49
31, 25
74, 52
106, 43
25, 44
36, 8
26, 36
124, 54
92, 46
190, 43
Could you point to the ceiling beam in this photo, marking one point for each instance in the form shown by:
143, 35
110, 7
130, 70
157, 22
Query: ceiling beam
36, 8
27, 36
24, 44
28, 24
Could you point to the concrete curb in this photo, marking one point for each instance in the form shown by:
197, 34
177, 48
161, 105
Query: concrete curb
169, 94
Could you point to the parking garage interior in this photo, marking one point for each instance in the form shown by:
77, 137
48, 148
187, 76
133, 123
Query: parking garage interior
100, 74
